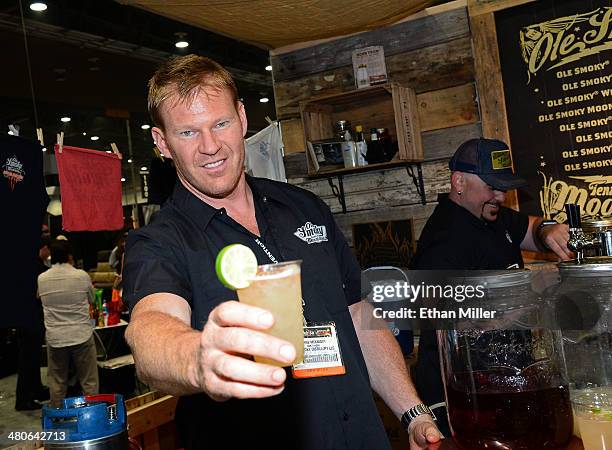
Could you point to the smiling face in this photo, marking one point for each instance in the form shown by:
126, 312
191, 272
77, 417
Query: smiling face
477, 196
204, 135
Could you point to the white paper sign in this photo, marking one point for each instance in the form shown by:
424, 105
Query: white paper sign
369, 66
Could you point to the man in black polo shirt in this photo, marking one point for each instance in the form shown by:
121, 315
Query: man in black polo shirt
189, 340
469, 229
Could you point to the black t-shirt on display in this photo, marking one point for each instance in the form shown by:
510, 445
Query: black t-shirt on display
454, 239
24, 201
176, 253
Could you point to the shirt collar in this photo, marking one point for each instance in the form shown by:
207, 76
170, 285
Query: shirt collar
203, 213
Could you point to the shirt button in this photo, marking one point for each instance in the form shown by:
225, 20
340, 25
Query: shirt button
265, 199
345, 417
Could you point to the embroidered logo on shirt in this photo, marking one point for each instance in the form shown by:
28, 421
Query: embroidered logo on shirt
12, 169
312, 234
508, 237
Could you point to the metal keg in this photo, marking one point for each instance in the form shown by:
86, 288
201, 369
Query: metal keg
92, 422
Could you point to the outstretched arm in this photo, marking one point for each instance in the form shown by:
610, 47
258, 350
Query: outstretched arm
389, 376
174, 358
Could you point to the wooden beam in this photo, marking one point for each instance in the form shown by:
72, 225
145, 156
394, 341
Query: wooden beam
292, 132
490, 85
425, 69
477, 7
432, 10
446, 108
396, 39
441, 144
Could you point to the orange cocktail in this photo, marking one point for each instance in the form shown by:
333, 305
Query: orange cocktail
277, 288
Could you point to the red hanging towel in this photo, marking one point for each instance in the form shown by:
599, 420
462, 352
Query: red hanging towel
90, 185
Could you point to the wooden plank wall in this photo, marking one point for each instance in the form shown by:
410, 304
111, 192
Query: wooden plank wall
432, 53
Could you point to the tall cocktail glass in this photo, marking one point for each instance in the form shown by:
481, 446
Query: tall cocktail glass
277, 288
593, 411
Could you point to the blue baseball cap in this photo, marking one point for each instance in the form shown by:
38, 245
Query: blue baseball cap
491, 160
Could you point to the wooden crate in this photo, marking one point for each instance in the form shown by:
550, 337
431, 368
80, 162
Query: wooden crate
151, 421
388, 106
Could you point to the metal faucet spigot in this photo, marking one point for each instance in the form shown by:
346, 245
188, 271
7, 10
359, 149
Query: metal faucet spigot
578, 239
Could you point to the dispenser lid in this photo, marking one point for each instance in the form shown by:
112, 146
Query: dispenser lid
594, 266
594, 225
501, 279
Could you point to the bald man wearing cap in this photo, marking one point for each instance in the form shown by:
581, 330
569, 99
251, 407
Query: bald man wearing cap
470, 229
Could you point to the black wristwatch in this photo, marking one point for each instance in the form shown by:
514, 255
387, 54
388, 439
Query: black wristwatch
546, 223
414, 412
541, 226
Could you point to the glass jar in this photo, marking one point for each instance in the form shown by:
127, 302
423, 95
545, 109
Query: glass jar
505, 381
583, 311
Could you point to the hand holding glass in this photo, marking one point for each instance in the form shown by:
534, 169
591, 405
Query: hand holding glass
277, 288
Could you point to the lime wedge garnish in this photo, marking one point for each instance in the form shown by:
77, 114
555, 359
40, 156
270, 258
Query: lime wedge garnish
236, 265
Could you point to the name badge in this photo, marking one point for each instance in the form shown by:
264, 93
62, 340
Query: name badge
322, 357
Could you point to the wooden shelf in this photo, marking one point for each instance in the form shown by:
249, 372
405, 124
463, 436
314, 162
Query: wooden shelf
388, 106
331, 171
338, 191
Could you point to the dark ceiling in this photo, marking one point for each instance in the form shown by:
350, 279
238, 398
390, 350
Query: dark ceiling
91, 59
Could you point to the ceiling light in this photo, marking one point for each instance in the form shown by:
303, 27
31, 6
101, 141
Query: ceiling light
94, 138
145, 126
84, 133
122, 178
269, 68
38, 6
181, 42
130, 160
144, 168
65, 119
264, 100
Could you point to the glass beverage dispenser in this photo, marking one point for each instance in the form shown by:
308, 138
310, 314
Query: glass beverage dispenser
505, 379
583, 307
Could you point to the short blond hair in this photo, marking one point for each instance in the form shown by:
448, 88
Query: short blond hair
186, 76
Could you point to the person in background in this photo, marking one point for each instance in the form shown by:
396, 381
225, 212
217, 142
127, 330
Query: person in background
471, 230
30, 390
116, 257
66, 293
191, 338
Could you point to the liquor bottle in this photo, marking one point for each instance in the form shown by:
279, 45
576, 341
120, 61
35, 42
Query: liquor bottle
385, 143
349, 154
375, 154
390, 147
361, 146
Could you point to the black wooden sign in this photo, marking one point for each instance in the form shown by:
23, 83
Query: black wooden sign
556, 59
